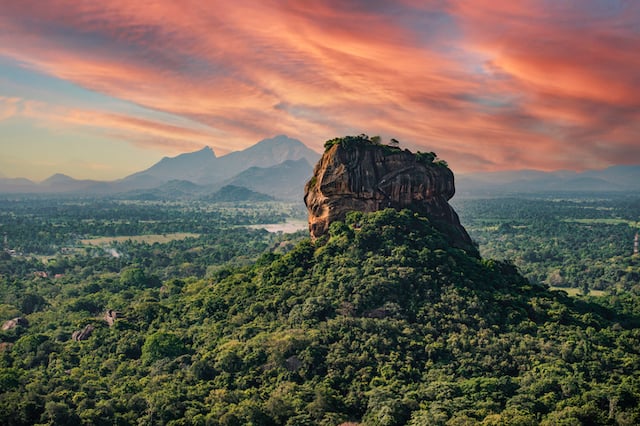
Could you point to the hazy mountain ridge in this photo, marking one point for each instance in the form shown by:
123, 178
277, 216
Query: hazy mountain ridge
266, 153
188, 166
276, 166
268, 161
614, 178
284, 180
232, 193
17, 185
203, 167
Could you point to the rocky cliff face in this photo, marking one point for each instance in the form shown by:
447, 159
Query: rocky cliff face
367, 177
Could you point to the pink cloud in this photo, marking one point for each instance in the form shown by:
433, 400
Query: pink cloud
8, 107
487, 85
142, 132
574, 69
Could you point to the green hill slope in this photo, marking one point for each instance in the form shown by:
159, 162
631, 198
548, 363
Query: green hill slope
385, 323
232, 193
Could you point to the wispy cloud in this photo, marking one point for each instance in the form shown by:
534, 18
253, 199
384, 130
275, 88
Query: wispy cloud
146, 133
8, 107
488, 85
573, 69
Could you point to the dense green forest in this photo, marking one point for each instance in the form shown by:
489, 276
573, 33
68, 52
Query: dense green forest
384, 323
579, 242
45, 226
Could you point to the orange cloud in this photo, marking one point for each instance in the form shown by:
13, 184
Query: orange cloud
487, 85
574, 68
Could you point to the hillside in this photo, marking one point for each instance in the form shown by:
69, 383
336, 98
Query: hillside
171, 190
232, 193
281, 181
188, 166
384, 323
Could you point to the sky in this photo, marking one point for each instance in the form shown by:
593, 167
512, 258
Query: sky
102, 89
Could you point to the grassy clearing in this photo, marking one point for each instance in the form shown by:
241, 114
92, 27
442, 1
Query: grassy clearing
149, 239
572, 291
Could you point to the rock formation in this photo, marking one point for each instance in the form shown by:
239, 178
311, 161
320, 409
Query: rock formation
13, 323
358, 174
83, 334
110, 317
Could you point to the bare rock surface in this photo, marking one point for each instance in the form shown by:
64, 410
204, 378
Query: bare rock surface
366, 176
110, 317
83, 334
13, 323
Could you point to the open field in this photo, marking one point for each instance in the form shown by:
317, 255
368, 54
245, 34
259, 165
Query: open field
572, 291
149, 239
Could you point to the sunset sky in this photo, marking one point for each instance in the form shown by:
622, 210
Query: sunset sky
101, 89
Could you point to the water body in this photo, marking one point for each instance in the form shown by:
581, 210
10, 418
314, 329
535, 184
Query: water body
286, 227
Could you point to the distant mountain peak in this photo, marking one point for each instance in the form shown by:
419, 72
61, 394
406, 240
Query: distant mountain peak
280, 138
205, 153
279, 148
207, 149
204, 168
57, 178
187, 166
281, 142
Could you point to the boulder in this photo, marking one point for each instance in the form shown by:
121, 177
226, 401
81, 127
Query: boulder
110, 316
13, 323
83, 334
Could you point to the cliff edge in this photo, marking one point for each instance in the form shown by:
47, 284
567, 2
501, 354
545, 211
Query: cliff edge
357, 173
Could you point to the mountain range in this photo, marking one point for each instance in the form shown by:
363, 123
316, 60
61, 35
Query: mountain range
204, 168
279, 167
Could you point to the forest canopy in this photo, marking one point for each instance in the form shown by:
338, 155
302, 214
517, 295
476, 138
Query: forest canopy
385, 324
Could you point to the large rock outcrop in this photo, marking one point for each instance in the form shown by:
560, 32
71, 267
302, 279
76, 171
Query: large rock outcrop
356, 174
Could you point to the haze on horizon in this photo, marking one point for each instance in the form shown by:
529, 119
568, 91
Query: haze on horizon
104, 89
